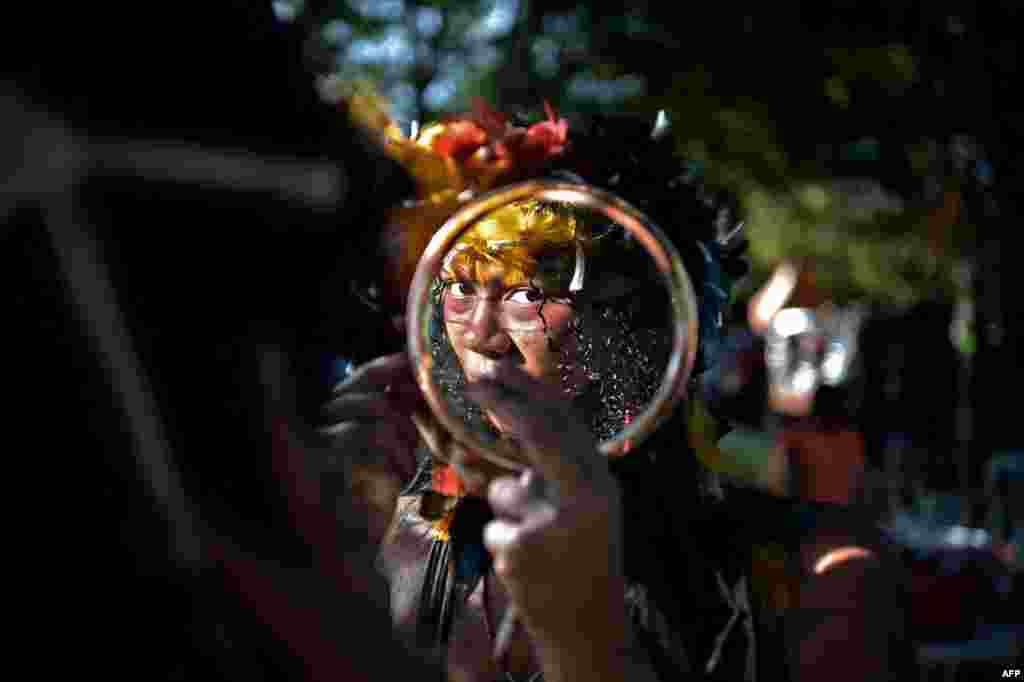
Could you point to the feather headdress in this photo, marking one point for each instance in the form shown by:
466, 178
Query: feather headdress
452, 161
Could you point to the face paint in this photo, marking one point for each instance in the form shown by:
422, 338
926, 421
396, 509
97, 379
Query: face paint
517, 290
516, 306
505, 292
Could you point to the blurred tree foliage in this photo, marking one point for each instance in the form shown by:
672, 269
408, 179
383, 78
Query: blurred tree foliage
850, 130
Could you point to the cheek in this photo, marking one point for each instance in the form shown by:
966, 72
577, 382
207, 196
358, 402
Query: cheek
536, 348
455, 338
559, 319
522, 320
454, 307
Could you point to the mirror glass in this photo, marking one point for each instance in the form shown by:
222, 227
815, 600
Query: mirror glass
568, 283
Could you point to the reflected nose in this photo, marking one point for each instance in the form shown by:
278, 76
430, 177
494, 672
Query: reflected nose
484, 333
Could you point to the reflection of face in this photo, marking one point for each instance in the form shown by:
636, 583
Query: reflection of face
497, 320
534, 288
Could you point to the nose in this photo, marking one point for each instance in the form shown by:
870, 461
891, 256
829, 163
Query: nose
484, 333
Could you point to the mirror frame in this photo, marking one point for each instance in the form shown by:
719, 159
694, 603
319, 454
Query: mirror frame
683, 302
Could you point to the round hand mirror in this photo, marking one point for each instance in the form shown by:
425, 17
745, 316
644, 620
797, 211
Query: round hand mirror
568, 283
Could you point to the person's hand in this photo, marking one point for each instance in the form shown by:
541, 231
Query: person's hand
373, 437
558, 555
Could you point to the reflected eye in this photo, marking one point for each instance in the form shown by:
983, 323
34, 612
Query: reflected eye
525, 296
460, 289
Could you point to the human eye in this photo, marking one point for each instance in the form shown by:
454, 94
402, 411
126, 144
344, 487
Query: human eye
460, 289
525, 296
